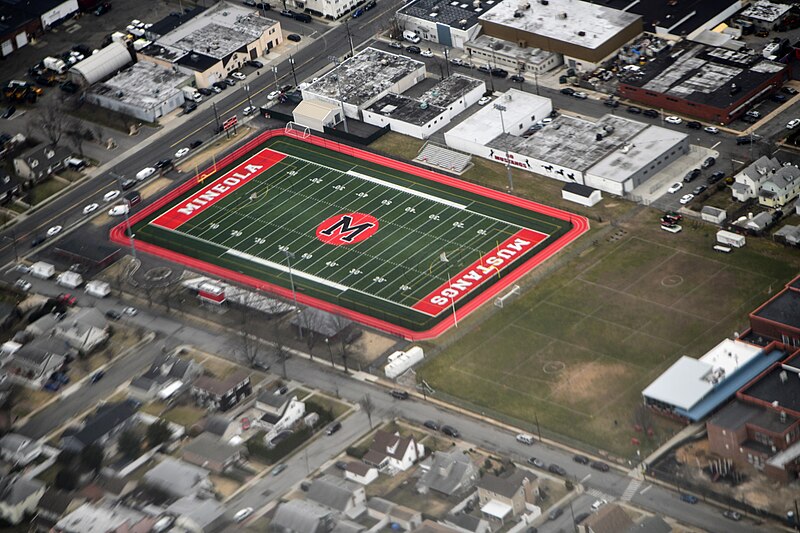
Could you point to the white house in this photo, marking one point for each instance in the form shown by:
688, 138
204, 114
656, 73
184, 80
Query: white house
18, 497
781, 187
748, 182
392, 453
278, 412
19, 449
360, 472
84, 329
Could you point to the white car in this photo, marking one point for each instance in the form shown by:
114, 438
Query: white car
711, 129
53, 231
238, 75
110, 196
241, 514
672, 119
91, 208
546, 120
145, 173
130, 311
580, 95
249, 110
484, 100
793, 124
273, 95
675, 187
23, 285
426, 53
182, 152
598, 504
119, 210
215, 89
686, 198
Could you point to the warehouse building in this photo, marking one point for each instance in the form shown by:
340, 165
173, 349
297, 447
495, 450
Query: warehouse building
409, 116
713, 84
678, 19
20, 22
613, 154
585, 34
215, 42
145, 91
511, 56
447, 22
364, 79
101, 65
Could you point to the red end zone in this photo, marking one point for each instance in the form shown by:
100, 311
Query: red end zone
480, 271
218, 189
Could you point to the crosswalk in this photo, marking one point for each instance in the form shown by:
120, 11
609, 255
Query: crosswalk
633, 488
600, 495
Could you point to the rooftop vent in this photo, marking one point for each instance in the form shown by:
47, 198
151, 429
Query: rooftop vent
783, 417
562, 15
476, 3
784, 376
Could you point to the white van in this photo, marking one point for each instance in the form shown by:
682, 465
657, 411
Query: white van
525, 439
411, 36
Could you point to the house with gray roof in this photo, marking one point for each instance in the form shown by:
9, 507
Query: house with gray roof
18, 449
449, 472
384, 510
18, 497
748, 182
609, 518
207, 451
195, 514
179, 478
338, 494
83, 329
650, 524
44, 325
302, 516
35, 361
758, 223
108, 421
217, 394
90, 518
38, 163
52, 506
502, 498
780, 188
467, 523
162, 376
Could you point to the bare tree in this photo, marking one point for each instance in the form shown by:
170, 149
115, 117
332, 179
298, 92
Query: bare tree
250, 345
280, 349
52, 121
76, 132
367, 405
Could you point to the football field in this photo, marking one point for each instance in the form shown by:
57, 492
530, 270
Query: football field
351, 232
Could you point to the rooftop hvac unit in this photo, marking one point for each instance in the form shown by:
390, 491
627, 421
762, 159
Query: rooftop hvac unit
476, 3
582, 33
783, 417
544, 2
562, 15
784, 376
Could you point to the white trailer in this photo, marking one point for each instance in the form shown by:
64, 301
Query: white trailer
42, 270
192, 94
98, 289
70, 280
729, 238
54, 64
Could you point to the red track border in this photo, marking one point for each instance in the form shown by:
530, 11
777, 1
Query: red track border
580, 225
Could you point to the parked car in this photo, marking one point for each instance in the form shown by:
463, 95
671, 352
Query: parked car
716, 176
711, 129
778, 97
249, 110
164, 164
97, 376
568, 91
732, 515
400, 394
635, 110
673, 119
694, 125
691, 175
791, 91
220, 86
689, 498
427, 53
792, 124
9, 112
238, 75
205, 91
600, 465
555, 469
538, 463
397, 45
413, 49
242, 514
580, 459
129, 183
39, 239
430, 424
580, 95
516, 78
195, 143
450, 431
113, 314
22, 285
652, 113
555, 513
499, 73
597, 504
255, 63
294, 37
686, 198
341, 465
278, 469
119, 210
610, 102
102, 9
484, 100
709, 162
333, 428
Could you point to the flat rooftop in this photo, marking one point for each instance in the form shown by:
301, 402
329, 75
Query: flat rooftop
450, 89
406, 109
364, 76
781, 384
455, 13
765, 11
532, 56
572, 142
484, 125
597, 23
680, 18
703, 74
143, 84
784, 309
219, 31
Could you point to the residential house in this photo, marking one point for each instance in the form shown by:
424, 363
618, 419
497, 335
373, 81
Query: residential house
780, 188
610, 518
392, 513
302, 516
348, 526
279, 412
18, 497
10, 187
9, 314
102, 427
338, 494
466, 523
113, 486
221, 394
220, 426
43, 326
195, 514
38, 163
502, 498
18, 449
651, 524
98, 518
207, 451
35, 361
360, 472
166, 377
757, 224
84, 329
449, 472
179, 478
52, 506
393, 453
748, 182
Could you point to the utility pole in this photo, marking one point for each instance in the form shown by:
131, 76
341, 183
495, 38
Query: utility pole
246, 87
289, 255
349, 37
502, 108
336, 63
291, 64
275, 73
446, 61
216, 115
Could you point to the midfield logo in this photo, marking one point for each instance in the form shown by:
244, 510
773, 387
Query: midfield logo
347, 228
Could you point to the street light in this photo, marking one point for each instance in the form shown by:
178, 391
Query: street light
13, 240
291, 64
275, 72
502, 108
336, 63
289, 255
246, 88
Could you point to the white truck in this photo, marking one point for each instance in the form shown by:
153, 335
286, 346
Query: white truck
192, 94
729, 238
55, 64
98, 289
70, 280
42, 270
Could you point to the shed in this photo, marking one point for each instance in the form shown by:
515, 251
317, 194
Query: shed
316, 114
581, 194
714, 215
100, 65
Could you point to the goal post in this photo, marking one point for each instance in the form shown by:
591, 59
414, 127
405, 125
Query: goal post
500, 300
293, 129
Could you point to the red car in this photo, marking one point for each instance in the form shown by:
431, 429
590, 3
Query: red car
245, 424
67, 299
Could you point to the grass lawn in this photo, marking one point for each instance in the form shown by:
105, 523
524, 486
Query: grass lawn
45, 190
337, 408
48, 475
154, 408
576, 350
13, 206
29, 400
185, 415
